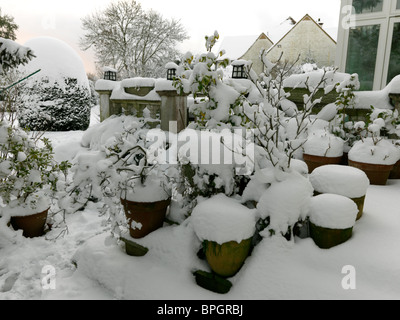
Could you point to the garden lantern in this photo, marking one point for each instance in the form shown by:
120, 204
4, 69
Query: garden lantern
171, 70
110, 74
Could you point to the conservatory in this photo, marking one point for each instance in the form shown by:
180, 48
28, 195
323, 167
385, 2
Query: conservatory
369, 41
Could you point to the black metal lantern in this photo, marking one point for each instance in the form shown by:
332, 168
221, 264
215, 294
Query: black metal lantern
110, 75
171, 73
239, 72
171, 70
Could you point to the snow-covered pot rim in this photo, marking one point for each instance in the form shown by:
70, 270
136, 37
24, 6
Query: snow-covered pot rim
149, 192
343, 180
323, 144
35, 203
223, 219
384, 152
333, 211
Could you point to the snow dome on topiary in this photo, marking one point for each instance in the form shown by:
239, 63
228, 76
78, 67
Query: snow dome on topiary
58, 97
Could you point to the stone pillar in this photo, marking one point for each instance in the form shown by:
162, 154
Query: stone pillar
173, 108
104, 97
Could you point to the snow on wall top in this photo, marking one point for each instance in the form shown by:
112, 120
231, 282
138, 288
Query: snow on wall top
119, 92
312, 78
57, 61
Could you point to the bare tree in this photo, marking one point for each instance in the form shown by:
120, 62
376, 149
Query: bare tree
135, 42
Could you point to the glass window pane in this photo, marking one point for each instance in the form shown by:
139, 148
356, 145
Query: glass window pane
398, 4
362, 53
368, 6
394, 65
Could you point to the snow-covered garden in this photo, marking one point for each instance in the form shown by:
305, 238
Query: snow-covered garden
237, 177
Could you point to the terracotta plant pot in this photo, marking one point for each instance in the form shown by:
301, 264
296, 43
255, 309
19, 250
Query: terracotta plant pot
395, 173
150, 215
32, 225
360, 205
227, 259
326, 238
317, 161
377, 174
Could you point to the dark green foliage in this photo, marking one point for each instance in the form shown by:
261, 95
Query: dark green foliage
55, 108
8, 27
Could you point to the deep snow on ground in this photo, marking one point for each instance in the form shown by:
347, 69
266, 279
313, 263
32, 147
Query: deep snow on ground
86, 267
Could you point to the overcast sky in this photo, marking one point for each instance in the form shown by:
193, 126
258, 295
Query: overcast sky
62, 19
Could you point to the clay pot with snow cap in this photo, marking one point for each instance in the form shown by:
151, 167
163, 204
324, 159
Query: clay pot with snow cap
145, 207
342, 180
376, 157
332, 218
31, 221
226, 228
322, 148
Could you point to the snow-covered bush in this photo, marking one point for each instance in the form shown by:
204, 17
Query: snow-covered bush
203, 77
58, 107
214, 162
28, 171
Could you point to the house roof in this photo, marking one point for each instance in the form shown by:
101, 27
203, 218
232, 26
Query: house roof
305, 18
237, 46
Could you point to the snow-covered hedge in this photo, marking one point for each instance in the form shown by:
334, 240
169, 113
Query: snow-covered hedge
58, 107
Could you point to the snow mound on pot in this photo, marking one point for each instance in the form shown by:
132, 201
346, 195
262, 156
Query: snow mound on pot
384, 152
223, 219
342, 180
333, 211
286, 202
324, 144
57, 61
151, 191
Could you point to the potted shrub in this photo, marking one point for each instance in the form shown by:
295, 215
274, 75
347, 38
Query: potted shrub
226, 228
332, 218
29, 175
135, 192
375, 155
284, 204
342, 180
322, 148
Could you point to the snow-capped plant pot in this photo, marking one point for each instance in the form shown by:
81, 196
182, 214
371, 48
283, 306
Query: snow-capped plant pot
342, 180
376, 157
226, 259
32, 225
322, 148
332, 218
145, 208
30, 217
226, 228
